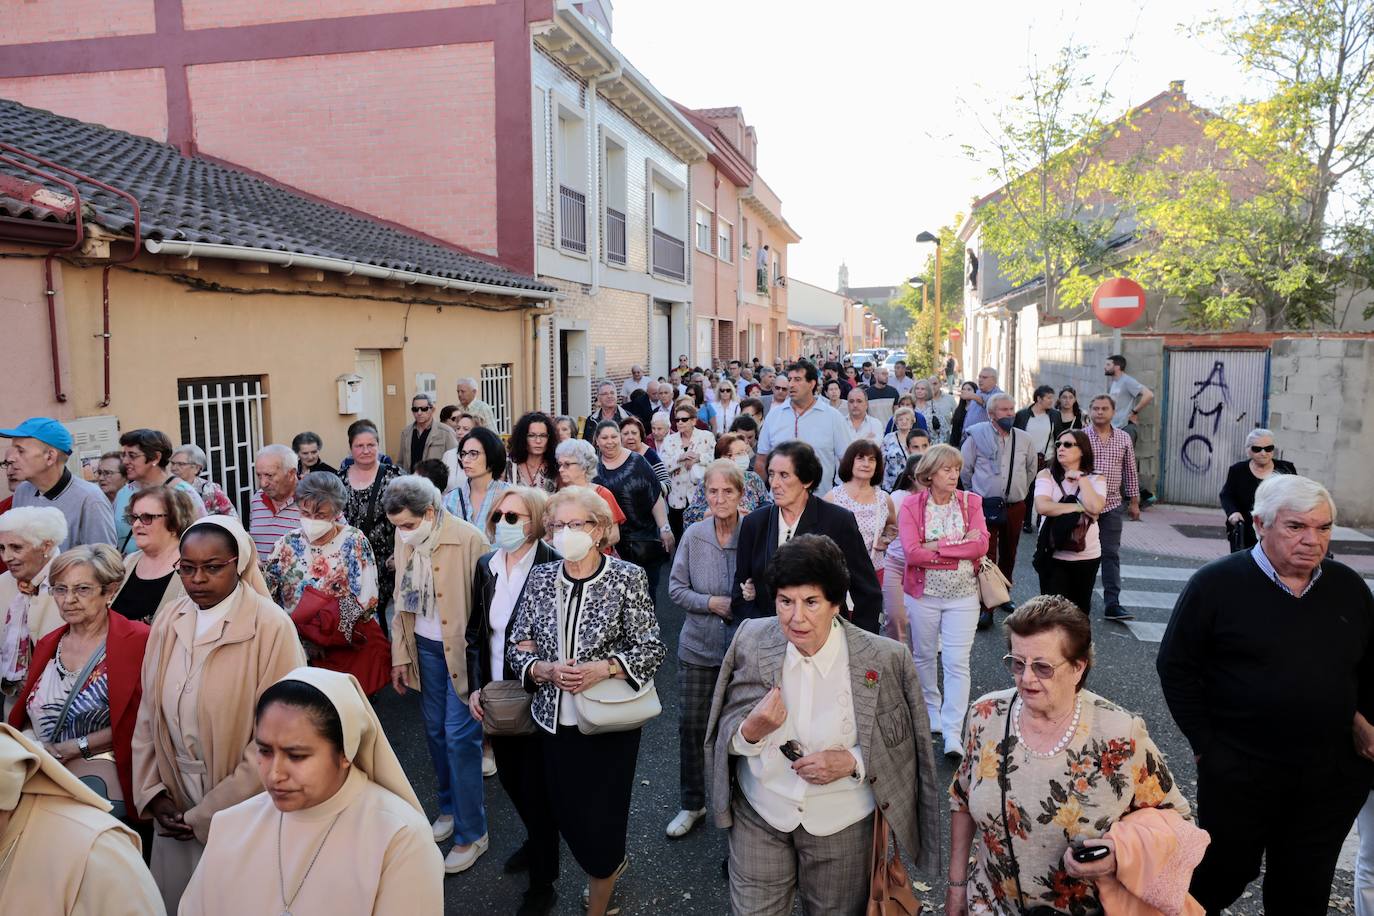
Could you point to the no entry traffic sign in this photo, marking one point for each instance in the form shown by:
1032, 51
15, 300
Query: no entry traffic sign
1118, 302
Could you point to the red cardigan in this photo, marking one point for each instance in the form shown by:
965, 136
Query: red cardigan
911, 525
124, 645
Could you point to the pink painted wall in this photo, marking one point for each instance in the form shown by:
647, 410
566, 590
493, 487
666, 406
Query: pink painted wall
201, 14
132, 100
406, 135
25, 350
61, 20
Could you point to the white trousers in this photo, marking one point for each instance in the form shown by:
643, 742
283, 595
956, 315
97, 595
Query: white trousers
1364, 861
944, 627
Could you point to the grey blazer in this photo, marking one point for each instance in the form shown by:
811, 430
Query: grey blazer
894, 732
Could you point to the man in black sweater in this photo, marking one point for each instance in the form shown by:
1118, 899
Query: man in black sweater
1268, 669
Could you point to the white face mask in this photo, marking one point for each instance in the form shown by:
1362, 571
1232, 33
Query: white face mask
315, 528
418, 534
573, 545
744, 461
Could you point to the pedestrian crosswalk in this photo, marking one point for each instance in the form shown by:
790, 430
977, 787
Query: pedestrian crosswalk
1152, 606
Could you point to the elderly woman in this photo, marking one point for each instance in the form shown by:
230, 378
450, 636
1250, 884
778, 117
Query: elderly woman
590, 617
1048, 768
484, 462
700, 583
109, 475
686, 452
83, 690
816, 724
894, 446
932, 413
661, 427
943, 537
63, 852
158, 515
516, 528
210, 656
325, 577
531, 462
188, 463
731, 446
1243, 479
646, 538
436, 558
29, 540
307, 446
338, 829
366, 479
632, 435
577, 464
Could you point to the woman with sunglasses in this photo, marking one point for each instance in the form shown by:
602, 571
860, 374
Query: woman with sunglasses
1051, 769
685, 454
1067, 492
1243, 479
727, 408
158, 516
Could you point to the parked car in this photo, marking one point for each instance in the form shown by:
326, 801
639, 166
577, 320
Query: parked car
894, 358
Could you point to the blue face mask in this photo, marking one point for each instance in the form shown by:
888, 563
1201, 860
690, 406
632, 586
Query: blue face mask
1005, 423
509, 537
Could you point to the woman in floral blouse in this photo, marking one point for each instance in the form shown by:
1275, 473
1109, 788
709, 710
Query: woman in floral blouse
188, 463
685, 454
1048, 766
734, 447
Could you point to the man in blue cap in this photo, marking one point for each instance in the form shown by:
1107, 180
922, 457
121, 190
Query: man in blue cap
38, 457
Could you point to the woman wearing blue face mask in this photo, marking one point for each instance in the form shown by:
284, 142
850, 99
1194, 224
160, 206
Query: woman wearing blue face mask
516, 528
578, 623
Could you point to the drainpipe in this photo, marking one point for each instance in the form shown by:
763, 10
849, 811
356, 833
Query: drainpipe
595, 173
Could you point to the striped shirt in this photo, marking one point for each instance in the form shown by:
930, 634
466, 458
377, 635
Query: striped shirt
1114, 459
1266, 567
269, 524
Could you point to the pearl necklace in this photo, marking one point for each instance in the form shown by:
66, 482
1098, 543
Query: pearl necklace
1062, 743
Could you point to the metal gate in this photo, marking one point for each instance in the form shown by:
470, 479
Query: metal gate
224, 417
1213, 398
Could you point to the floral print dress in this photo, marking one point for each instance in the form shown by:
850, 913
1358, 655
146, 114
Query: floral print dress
1109, 769
342, 567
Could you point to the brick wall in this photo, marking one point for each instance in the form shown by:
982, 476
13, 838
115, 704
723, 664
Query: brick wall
406, 135
24, 21
202, 14
132, 100
619, 324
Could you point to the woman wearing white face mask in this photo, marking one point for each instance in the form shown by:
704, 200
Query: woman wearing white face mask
325, 577
732, 447
516, 528
436, 554
579, 622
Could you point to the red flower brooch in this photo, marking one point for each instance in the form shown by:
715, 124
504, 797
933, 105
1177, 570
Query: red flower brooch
870, 679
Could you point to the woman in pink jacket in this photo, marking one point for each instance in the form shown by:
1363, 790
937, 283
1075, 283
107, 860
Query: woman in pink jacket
943, 535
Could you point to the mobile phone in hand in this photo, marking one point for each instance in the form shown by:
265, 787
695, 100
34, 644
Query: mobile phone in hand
792, 750
1087, 854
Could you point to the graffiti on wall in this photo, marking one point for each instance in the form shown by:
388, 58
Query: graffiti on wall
1210, 400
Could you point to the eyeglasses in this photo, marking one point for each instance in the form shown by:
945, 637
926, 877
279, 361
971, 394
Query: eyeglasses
106, 473
579, 525
512, 518
567, 464
60, 592
181, 464
1256, 449
421, 409
471, 454
130, 456
1042, 670
1067, 443
146, 518
189, 570
540, 436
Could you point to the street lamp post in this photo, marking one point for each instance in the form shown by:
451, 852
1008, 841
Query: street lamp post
927, 237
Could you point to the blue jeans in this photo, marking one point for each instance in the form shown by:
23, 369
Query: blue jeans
455, 745
1109, 528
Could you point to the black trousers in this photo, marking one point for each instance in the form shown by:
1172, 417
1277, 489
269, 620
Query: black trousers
1299, 838
590, 779
520, 767
1072, 579
675, 521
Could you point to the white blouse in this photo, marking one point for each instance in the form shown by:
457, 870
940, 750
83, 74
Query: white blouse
503, 601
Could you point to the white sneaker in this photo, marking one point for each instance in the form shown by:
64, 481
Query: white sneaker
443, 827
684, 822
488, 765
457, 861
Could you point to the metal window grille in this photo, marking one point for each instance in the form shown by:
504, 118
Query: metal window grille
615, 236
224, 417
670, 256
572, 224
495, 387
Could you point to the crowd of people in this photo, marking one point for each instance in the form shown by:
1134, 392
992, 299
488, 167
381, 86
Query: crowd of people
178, 671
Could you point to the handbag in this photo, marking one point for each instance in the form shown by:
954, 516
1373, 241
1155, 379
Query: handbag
995, 507
98, 772
890, 892
316, 615
614, 705
506, 709
994, 589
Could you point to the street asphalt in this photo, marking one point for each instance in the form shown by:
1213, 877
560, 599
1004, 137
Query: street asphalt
684, 876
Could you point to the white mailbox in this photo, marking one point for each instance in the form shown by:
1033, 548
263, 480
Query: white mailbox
350, 393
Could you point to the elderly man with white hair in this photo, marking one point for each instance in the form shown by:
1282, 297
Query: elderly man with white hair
1268, 669
479, 409
637, 381
274, 513
1000, 466
30, 537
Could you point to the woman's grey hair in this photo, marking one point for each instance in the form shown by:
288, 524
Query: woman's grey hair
1292, 493
903, 412
322, 489
581, 451
36, 524
412, 493
564, 418
281, 452
106, 563
1256, 434
194, 453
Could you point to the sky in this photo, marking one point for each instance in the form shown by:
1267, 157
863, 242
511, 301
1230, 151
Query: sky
863, 108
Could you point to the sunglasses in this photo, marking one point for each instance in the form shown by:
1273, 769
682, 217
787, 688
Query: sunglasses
421, 409
686, 419
1256, 449
1042, 670
512, 518
1067, 443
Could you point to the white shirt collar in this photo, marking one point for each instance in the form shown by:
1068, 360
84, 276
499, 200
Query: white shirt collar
522, 566
823, 660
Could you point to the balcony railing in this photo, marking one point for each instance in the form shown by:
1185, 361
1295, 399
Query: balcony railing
761, 281
670, 256
572, 215
615, 236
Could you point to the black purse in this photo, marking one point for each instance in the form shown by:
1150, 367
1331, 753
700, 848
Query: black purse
995, 507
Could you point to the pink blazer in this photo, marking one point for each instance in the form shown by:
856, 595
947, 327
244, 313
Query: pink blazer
911, 523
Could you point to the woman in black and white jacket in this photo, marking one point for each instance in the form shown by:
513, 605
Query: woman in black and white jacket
587, 618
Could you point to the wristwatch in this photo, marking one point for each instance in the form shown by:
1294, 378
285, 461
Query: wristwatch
84, 746
613, 665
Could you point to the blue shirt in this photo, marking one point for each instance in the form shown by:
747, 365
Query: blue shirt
978, 413
820, 426
1262, 561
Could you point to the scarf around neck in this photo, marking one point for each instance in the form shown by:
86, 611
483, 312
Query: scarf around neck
417, 581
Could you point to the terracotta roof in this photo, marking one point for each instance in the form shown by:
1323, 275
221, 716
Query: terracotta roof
197, 200
719, 112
